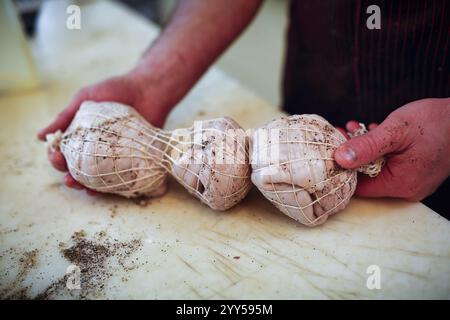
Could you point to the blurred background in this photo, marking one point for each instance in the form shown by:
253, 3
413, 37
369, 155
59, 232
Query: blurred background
255, 59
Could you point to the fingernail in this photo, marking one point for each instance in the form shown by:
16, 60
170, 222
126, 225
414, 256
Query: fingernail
348, 154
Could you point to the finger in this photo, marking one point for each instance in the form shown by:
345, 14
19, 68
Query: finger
64, 118
375, 187
57, 160
385, 138
352, 126
343, 132
72, 183
373, 125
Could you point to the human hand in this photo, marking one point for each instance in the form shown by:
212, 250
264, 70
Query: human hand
130, 89
415, 142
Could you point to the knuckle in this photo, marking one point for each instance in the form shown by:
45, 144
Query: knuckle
370, 145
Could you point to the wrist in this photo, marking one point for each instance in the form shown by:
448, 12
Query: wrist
162, 79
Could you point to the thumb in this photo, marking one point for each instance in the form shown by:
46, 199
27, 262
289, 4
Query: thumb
369, 147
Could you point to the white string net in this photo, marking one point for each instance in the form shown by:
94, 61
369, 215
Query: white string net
293, 166
372, 169
214, 164
110, 148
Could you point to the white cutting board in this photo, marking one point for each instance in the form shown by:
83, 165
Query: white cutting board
175, 247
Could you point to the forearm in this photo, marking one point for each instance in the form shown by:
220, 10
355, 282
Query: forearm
198, 32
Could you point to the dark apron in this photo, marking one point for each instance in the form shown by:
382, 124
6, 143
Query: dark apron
338, 68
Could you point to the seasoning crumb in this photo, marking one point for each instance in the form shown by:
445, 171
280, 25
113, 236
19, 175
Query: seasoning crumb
113, 211
79, 235
98, 259
26, 262
62, 245
142, 201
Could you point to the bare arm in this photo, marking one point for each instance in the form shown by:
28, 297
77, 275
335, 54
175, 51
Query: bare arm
198, 32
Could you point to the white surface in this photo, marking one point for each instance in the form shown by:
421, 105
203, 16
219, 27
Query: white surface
187, 250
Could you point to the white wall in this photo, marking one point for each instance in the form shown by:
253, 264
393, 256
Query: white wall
257, 57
